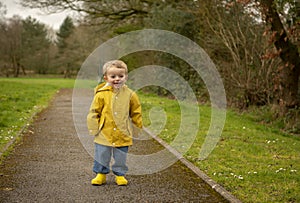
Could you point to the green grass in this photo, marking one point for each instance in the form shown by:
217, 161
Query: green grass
21, 98
256, 163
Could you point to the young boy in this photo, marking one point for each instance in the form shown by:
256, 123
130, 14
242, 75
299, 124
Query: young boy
114, 109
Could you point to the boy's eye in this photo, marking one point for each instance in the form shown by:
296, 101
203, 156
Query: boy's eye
114, 76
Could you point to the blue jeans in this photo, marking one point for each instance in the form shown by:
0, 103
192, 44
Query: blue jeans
103, 156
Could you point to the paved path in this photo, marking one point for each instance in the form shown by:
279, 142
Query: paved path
51, 165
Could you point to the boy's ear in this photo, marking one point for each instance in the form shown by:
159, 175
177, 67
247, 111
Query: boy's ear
105, 77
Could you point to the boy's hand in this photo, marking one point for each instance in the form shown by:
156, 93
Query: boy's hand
93, 132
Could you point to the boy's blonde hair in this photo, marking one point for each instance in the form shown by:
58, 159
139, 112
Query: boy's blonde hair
114, 63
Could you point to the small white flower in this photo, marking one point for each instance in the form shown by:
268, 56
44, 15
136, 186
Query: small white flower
281, 169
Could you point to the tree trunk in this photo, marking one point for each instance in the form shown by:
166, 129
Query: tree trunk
22, 68
288, 75
16, 68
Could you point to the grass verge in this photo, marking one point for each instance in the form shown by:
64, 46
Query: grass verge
21, 99
256, 163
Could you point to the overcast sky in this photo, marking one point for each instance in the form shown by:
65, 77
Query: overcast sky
53, 20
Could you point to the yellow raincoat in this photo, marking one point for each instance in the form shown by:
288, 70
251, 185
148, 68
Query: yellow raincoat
112, 114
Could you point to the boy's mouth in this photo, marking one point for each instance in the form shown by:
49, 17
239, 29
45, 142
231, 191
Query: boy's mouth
117, 84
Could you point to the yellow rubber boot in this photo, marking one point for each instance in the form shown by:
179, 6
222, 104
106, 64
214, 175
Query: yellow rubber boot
121, 180
99, 180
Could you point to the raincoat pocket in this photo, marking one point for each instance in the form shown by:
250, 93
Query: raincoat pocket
101, 123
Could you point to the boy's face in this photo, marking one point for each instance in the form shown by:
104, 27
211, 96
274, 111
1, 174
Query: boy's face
116, 77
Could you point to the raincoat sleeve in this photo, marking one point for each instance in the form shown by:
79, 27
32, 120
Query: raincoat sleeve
136, 111
93, 117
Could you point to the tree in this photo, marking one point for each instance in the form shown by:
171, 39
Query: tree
65, 31
23, 43
288, 75
14, 43
241, 45
3, 28
34, 45
282, 19
180, 18
105, 9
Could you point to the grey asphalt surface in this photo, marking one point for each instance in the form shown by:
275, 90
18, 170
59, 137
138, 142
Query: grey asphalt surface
50, 164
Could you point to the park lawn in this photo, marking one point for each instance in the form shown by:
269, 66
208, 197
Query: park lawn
22, 98
254, 162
